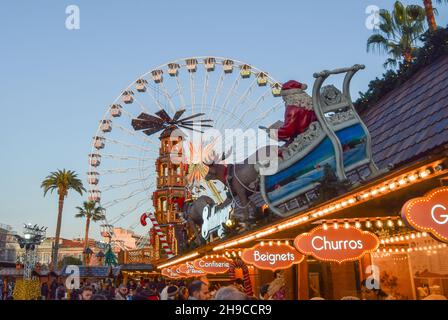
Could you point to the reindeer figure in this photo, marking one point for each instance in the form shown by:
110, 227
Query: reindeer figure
242, 179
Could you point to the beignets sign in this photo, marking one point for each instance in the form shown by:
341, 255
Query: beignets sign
336, 244
272, 256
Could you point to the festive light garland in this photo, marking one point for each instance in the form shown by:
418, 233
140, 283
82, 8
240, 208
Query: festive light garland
381, 189
399, 182
26, 289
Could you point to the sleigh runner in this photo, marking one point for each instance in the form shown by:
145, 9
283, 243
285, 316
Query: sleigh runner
337, 143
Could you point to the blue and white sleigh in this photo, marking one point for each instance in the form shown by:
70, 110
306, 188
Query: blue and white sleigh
338, 139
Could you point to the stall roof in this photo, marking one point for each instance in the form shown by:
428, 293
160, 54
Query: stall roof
89, 272
133, 267
412, 119
11, 272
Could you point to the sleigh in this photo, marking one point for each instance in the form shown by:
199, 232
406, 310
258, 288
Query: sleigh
338, 140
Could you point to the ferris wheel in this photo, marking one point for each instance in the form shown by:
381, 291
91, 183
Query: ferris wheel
229, 93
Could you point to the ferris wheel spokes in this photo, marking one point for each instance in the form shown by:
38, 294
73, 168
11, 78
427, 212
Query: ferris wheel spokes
129, 167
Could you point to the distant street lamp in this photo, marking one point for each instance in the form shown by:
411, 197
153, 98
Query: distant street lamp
33, 236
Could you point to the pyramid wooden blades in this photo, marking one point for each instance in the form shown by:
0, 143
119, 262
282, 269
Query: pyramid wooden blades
164, 115
178, 114
192, 116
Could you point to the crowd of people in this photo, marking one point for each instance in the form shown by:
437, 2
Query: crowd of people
160, 289
144, 290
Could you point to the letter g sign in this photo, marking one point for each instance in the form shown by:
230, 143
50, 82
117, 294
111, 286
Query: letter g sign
443, 216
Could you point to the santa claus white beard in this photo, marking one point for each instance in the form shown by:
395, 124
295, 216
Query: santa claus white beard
299, 99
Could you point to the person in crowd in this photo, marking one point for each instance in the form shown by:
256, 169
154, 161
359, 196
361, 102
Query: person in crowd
239, 284
230, 293
60, 292
371, 293
263, 295
148, 293
164, 293
173, 293
53, 287
277, 288
214, 287
183, 293
111, 292
198, 290
2, 285
74, 294
122, 293
86, 293
44, 290
10, 290
98, 297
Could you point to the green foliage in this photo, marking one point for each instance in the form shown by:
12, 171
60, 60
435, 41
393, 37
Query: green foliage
90, 210
398, 33
62, 181
435, 45
110, 257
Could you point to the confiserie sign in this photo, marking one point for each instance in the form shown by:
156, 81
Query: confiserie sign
213, 264
336, 244
429, 213
272, 256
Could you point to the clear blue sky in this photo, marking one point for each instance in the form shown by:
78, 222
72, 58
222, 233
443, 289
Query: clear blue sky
55, 83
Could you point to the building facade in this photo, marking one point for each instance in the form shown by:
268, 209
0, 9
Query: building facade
7, 245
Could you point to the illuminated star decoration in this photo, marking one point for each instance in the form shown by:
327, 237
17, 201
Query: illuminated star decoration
197, 159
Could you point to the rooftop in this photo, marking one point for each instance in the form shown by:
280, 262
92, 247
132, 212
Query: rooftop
412, 119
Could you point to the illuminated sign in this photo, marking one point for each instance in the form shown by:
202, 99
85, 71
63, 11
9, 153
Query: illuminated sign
429, 213
167, 272
336, 244
189, 270
213, 264
272, 256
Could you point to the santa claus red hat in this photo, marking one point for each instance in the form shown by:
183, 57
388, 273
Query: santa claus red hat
292, 87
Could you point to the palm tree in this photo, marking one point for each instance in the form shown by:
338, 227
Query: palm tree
398, 33
92, 211
430, 16
62, 181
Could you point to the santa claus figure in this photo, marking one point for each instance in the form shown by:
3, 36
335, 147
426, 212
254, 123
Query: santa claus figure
298, 113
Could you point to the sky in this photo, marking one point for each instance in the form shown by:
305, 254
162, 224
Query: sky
56, 83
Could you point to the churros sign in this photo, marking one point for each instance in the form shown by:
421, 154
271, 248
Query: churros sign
336, 244
272, 256
429, 213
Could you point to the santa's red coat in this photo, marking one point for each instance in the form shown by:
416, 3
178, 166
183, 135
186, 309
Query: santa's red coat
297, 120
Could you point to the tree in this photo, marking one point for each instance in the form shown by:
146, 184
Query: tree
62, 181
398, 32
430, 13
92, 211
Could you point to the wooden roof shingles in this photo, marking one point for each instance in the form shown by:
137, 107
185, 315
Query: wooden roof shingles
412, 119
